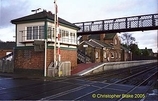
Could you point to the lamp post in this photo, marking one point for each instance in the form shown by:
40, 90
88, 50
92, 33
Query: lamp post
35, 10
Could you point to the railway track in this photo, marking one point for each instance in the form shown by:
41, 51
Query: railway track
135, 81
152, 73
149, 73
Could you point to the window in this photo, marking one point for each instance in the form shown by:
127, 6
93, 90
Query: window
63, 35
115, 41
29, 33
112, 54
35, 32
96, 55
72, 38
67, 36
104, 54
41, 32
50, 32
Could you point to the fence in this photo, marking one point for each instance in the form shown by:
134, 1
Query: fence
63, 70
125, 24
6, 66
7, 63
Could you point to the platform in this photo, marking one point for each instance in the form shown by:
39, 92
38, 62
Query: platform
83, 67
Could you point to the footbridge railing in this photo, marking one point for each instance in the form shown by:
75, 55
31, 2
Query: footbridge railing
133, 23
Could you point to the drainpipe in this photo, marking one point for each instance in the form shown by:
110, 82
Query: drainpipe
45, 58
94, 55
45, 49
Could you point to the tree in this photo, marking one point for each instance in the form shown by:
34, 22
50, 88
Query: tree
134, 49
127, 39
145, 52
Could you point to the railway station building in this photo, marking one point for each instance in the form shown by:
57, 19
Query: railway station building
106, 48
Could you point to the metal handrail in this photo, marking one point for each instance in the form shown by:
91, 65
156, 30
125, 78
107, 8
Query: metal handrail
134, 23
82, 57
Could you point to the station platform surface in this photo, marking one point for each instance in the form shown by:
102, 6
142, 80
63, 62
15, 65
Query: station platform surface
83, 67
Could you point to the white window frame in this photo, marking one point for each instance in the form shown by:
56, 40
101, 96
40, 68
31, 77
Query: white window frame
68, 36
50, 32
105, 55
32, 31
72, 38
96, 54
28, 33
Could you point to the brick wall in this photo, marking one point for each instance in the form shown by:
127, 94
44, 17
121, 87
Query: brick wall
50, 56
126, 56
85, 38
69, 55
105, 57
116, 49
3, 52
29, 59
66, 55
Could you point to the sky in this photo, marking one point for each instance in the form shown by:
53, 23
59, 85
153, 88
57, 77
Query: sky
79, 11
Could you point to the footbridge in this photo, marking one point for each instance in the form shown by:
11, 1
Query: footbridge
124, 24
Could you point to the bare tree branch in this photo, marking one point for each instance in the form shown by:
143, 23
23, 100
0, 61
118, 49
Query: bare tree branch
128, 39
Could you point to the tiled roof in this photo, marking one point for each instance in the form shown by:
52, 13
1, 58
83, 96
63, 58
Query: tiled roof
109, 36
7, 45
92, 44
101, 43
42, 16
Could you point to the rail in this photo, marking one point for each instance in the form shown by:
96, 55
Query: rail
82, 57
86, 88
134, 88
127, 78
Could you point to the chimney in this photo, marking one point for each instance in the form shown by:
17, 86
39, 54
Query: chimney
102, 36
